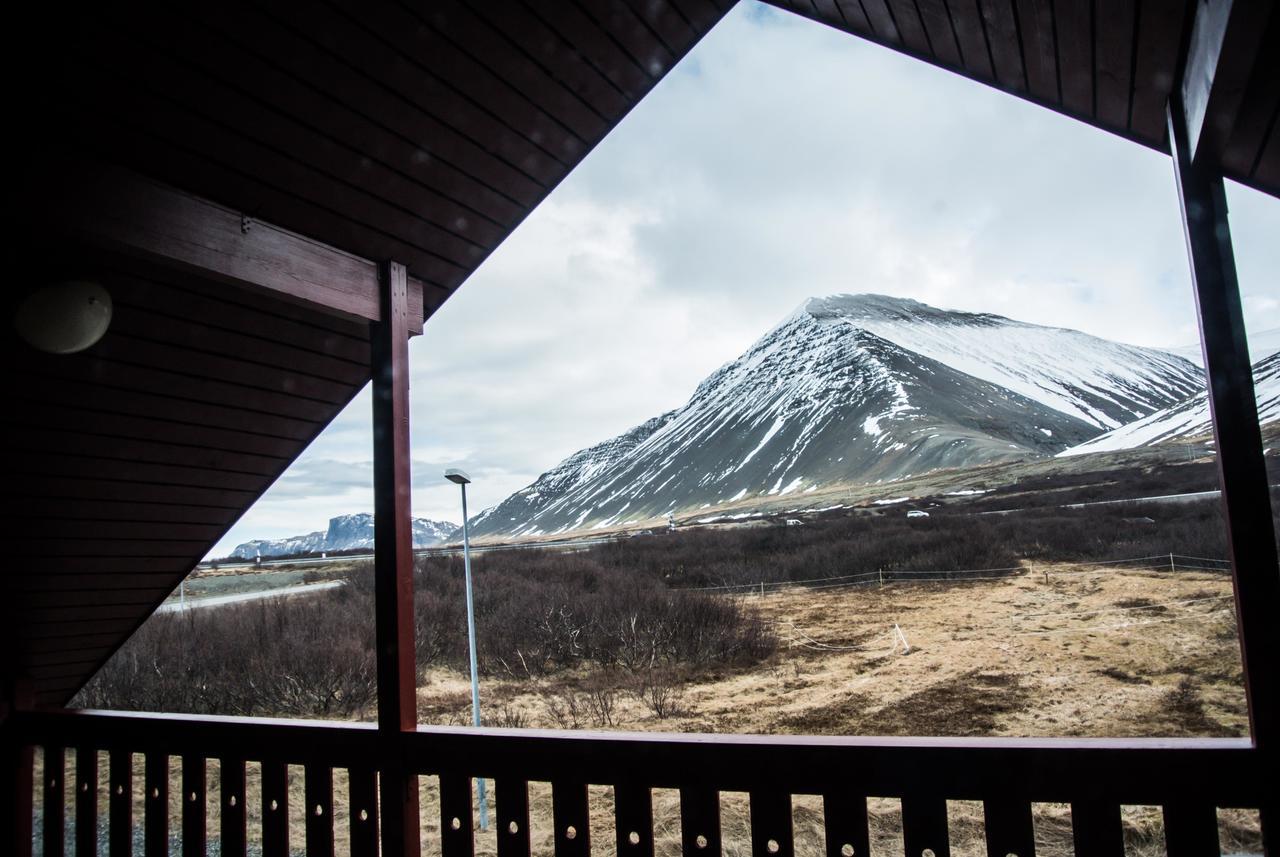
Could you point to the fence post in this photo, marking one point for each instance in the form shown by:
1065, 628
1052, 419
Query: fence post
880, 572
1171, 568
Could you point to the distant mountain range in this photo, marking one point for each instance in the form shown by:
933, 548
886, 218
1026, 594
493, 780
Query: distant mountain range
345, 532
854, 388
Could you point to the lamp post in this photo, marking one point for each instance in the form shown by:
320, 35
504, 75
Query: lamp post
462, 480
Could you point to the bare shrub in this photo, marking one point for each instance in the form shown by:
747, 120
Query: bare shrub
564, 706
663, 692
508, 717
602, 699
304, 657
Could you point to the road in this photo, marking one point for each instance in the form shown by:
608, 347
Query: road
174, 606
450, 550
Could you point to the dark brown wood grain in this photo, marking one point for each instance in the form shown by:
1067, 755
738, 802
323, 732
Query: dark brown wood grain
393, 559
362, 790
53, 803
155, 802
120, 803
512, 799
124, 211
233, 818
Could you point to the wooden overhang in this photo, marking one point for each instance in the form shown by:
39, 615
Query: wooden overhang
233, 173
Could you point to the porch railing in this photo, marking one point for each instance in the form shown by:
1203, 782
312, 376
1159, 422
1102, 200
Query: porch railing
1189, 779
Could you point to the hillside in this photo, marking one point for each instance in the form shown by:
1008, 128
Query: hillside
853, 389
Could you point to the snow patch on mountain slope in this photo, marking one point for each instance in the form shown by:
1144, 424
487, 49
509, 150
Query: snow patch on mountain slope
1188, 418
1104, 383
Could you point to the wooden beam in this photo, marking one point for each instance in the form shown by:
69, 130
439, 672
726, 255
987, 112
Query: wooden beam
1226, 36
1246, 497
110, 207
393, 562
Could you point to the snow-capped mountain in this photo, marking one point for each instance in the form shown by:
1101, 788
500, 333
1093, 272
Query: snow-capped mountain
345, 532
1188, 418
1262, 344
853, 388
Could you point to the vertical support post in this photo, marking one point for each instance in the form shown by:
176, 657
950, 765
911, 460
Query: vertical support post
1238, 440
393, 561
17, 787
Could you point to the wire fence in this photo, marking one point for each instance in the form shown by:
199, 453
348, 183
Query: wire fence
1170, 562
797, 637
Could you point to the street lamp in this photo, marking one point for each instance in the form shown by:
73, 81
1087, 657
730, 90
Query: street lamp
463, 480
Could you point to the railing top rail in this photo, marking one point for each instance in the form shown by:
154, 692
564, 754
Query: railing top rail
1221, 771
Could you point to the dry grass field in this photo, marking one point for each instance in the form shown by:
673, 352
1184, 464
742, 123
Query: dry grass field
1061, 650
1056, 650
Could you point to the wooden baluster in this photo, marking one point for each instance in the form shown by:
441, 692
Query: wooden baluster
633, 816
86, 802
17, 795
362, 795
156, 805
844, 818
700, 821
55, 770
1096, 829
318, 786
457, 838
771, 829
1009, 828
275, 809
571, 814
924, 826
233, 821
1191, 830
120, 802
512, 798
194, 829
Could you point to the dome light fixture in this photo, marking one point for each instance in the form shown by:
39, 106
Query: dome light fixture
64, 317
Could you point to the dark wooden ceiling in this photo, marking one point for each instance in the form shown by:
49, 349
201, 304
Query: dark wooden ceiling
418, 132
130, 460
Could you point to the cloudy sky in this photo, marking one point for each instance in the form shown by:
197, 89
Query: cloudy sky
780, 160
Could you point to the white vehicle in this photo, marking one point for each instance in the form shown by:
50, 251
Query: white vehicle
794, 522
917, 513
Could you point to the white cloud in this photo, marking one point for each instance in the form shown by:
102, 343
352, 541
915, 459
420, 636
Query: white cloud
782, 159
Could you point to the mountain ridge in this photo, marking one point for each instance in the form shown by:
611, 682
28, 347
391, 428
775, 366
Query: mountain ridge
345, 532
853, 387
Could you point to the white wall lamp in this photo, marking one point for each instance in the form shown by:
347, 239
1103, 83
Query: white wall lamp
64, 317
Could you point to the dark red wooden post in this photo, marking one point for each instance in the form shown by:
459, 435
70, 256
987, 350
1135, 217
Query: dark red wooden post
1246, 497
16, 793
393, 562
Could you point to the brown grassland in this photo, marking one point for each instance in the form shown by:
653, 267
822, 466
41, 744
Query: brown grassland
1059, 649
1089, 651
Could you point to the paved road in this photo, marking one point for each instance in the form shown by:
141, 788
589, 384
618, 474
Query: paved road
450, 550
173, 606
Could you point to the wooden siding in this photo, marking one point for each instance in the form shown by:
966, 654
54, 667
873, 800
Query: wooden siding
422, 134
131, 459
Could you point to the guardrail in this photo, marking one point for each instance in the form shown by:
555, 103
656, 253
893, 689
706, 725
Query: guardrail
1189, 778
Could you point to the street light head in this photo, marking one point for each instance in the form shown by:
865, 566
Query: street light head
455, 475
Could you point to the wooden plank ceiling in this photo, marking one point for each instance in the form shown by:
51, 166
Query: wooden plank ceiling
419, 132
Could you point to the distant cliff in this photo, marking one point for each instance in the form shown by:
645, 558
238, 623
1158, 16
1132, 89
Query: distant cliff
345, 532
